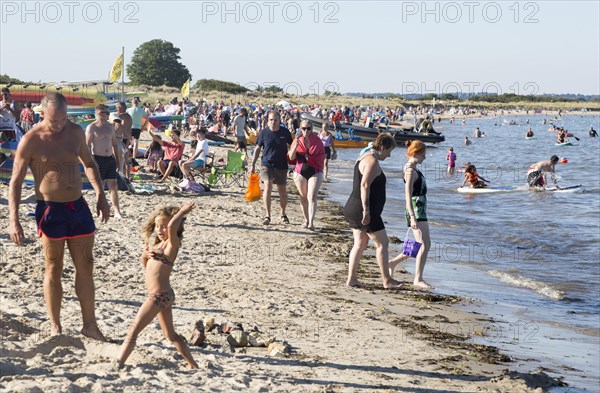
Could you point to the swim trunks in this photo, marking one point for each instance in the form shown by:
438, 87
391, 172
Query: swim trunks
107, 166
64, 220
535, 178
418, 198
419, 204
162, 299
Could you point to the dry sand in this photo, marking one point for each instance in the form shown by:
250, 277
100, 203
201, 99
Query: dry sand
284, 280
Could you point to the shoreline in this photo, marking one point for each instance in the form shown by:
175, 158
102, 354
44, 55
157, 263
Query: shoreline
285, 279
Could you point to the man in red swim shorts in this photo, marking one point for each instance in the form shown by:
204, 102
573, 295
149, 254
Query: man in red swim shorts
53, 149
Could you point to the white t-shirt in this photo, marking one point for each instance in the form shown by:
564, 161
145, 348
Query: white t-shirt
7, 119
202, 145
239, 123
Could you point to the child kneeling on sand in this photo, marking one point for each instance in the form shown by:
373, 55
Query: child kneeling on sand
166, 224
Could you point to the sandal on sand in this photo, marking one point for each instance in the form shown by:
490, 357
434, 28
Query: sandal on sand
285, 219
266, 220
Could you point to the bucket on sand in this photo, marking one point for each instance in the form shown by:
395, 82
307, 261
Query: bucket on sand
411, 247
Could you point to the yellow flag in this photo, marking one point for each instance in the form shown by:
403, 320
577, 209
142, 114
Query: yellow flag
117, 70
185, 90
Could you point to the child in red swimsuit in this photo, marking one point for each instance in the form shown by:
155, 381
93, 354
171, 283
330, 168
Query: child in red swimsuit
167, 225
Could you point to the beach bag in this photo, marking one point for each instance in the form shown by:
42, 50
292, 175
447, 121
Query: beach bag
192, 186
411, 247
253, 193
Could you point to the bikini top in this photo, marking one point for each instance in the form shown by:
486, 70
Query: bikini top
159, 255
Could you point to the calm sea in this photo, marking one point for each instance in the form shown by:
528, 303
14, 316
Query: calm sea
532, 258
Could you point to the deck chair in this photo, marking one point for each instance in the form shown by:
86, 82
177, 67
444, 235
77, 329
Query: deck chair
205, 170
233, 172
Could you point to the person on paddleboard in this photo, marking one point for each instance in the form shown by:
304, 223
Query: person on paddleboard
529, 133
474, 179
562, 136
536, 172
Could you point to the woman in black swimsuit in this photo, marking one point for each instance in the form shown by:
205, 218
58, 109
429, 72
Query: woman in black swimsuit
364, 207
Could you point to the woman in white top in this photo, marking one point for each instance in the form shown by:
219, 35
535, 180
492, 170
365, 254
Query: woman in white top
328, 143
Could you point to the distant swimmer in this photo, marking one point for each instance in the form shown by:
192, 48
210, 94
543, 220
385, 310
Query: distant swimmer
473, 178
593, 133
467, 141
536, 172
529, 133
477, 133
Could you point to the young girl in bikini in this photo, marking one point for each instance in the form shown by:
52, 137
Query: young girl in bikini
166, 224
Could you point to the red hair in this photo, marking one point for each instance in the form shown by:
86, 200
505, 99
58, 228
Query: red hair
415, 148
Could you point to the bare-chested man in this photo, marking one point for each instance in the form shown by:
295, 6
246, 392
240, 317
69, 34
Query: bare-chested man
126, 131
100, 138
115, 120
53, 149
536, 172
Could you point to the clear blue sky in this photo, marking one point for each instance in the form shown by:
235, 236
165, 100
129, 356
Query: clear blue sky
368, 46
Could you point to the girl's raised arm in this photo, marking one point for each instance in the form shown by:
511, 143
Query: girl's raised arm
175, 222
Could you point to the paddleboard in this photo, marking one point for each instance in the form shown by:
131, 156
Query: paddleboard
531, 138
564, 144
485, 190
577, 188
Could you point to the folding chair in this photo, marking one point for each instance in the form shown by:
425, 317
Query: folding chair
233, 172
205, 170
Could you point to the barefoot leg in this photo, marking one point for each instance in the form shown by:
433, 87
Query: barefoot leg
81, 250
422, 236
361, 239
381, 242
54, 251
165, 318
394, 262
145, 315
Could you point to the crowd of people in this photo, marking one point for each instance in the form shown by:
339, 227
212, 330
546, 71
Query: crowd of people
107, 148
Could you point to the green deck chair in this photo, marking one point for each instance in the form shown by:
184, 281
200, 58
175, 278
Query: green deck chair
233, 172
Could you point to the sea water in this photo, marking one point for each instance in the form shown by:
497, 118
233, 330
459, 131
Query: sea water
532, 258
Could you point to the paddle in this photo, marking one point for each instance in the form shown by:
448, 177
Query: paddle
576, 138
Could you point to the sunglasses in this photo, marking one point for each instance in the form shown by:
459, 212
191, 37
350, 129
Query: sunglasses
104, 113
306, 128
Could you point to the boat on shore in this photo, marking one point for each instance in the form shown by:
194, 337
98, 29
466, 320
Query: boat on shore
346, 143
369, 134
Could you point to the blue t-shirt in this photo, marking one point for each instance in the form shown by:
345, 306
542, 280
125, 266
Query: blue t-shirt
137, 116
274, 146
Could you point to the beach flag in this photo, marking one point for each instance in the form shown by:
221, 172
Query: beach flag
185, 90
116, 70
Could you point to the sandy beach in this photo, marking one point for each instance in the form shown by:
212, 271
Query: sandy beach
283, 281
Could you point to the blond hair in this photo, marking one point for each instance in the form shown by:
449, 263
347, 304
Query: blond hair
150, 225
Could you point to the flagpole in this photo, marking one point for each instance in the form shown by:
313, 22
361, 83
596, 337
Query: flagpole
123, 75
